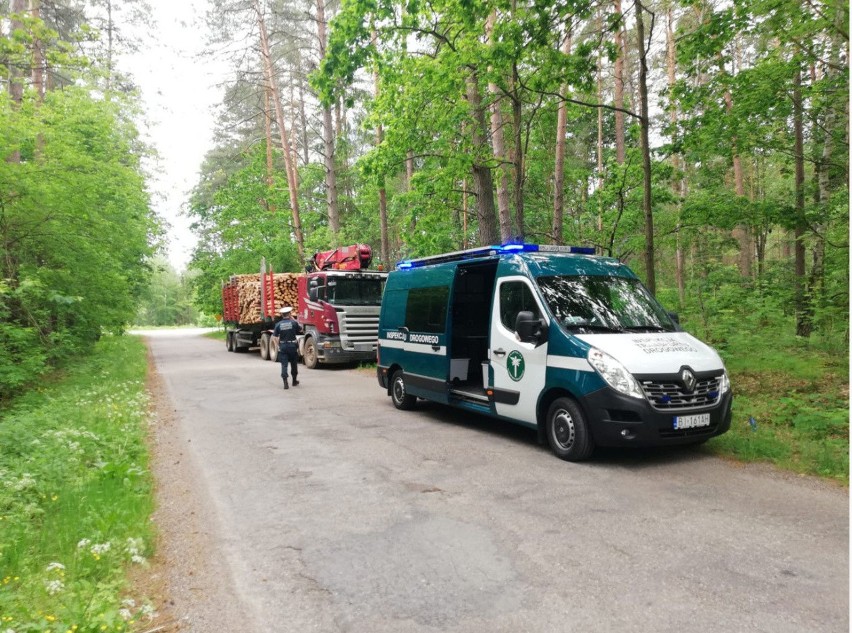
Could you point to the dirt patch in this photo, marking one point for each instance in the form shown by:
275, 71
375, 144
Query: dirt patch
188, 585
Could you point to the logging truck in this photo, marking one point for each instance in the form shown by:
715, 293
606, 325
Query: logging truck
337, 301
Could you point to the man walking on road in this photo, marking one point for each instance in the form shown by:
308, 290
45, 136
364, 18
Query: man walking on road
288, 349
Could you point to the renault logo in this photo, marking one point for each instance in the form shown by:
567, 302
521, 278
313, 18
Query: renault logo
688, 379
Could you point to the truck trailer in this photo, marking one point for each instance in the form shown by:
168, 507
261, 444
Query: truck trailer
337, 301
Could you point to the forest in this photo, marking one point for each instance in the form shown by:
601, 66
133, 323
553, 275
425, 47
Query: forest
703, 143
76, 226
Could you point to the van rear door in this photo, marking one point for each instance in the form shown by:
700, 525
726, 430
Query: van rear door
518, 368
426, 360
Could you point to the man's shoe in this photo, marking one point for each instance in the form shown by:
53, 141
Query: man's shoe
286, 386
295, 382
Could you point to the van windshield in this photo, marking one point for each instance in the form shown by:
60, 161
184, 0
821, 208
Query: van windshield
603, 304
355, 291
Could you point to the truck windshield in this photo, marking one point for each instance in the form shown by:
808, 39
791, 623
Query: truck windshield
355, 291
603, 304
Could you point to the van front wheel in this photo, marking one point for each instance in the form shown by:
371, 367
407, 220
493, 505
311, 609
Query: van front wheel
567, 431
401, 399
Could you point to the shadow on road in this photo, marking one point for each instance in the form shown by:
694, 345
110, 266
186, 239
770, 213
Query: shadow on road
636, 458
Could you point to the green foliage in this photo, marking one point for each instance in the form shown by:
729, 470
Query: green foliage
75, 224
76, 495
167, 300
240, 221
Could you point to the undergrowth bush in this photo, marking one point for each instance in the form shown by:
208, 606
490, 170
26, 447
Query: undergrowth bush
791, 396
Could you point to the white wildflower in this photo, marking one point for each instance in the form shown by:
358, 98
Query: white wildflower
100, 548
84, 543
54, 566
125, 614
128, 603
148, 611
53, 587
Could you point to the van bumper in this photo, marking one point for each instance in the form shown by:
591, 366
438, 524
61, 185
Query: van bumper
619, 420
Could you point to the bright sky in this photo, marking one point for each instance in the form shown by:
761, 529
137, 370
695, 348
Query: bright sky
180, 86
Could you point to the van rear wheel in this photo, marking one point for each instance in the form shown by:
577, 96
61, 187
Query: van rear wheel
401, 399
567, 431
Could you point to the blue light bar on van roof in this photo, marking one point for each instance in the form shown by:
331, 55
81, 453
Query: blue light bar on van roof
491, 251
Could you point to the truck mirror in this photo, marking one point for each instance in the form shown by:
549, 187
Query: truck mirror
530, 329
312, 292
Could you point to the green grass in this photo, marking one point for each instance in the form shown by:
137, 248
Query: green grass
76, 496
797, 394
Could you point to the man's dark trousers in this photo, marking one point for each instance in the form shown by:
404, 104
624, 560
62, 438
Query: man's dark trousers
288, 353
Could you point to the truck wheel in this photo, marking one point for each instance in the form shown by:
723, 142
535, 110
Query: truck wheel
264, 346
311, 359
399, 397
229, 341
567, 431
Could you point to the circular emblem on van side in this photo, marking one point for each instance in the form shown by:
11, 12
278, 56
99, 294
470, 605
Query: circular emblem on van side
515, 365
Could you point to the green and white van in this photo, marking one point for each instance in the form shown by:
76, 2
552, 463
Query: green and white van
553, 338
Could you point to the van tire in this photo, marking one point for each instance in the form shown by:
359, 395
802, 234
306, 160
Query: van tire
567, 431
400, 398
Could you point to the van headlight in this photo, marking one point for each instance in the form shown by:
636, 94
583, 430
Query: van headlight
614, 373
724, 384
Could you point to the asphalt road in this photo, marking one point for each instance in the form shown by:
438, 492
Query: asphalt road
328, 510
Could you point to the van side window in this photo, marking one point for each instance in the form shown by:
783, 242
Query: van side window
515, 296
427, 309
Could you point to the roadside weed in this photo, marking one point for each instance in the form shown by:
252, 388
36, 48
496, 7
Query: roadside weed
76, 496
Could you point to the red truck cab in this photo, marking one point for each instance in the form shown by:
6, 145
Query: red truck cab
339, 307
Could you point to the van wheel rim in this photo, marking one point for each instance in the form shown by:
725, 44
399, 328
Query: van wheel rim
564, 431
399, 390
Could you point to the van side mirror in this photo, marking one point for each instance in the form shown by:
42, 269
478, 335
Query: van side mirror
530, 329
676, 318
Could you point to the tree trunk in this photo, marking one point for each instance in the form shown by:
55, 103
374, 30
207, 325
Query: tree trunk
600, 180
559, 169
328, 137
504, 210
383, 205
409, 176
740, 233
286, 149
518, 153
803, 320
644, 124
16, 74
677, 167
270, 164
483, 184
618, 95
38, 56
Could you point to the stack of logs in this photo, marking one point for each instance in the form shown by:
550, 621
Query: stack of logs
248, 294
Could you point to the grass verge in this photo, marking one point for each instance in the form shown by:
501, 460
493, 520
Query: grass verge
76, 496
791, 405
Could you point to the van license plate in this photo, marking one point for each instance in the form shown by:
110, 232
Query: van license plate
691, 421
